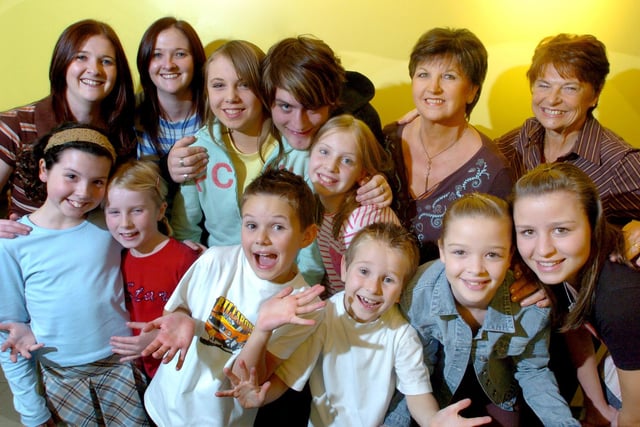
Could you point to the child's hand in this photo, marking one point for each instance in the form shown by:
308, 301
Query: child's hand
285, 307
131, 347
449, 416
20, 340
374, 191
245, 388
176, 333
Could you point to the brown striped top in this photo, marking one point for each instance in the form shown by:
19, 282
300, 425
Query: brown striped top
612, 163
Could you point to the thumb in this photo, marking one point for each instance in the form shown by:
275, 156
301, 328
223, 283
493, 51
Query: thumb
185, 141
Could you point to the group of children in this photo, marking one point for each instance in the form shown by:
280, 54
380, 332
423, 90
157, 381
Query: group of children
221, 333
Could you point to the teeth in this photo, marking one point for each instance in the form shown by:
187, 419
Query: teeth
434, 101
169, 76
548, 263
91, 82
368, 301
76, 204
553, 112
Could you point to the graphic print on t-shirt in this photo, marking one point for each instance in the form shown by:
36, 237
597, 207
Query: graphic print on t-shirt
226, 327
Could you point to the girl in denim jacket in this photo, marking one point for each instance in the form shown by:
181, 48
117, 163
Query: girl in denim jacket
477, 342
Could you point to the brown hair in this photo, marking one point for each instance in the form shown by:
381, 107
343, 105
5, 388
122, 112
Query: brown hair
307, 68
289, 186
27, 167
117, 109
149, 109
459, 44
581, 56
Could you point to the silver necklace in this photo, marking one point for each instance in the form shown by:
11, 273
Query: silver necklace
430, 158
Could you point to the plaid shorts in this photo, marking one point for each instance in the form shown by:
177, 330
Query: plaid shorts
103, 393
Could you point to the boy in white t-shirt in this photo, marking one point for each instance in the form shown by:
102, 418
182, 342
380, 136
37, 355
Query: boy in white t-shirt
215, 306
361, 351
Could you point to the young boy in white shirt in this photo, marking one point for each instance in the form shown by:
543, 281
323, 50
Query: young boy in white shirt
215, 306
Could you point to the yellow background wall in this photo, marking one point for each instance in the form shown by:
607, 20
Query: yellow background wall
374, 37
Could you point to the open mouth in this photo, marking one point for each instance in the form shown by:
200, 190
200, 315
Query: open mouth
368, 303
265, 260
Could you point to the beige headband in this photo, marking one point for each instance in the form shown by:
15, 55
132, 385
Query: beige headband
81, 134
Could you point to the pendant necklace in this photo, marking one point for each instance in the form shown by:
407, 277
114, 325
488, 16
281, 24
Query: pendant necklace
430, 158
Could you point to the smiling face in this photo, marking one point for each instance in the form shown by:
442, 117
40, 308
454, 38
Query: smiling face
553, 235
231, 99
295, 122
561, 104
75, 185
374, 280
92, 74
132, 218
171, 64
335, 167
476, 251
272, 237
441, 91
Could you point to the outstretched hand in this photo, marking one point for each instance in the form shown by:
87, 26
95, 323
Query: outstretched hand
245, 387
131, 347
176, 331
21, 340
450, 416
286, 308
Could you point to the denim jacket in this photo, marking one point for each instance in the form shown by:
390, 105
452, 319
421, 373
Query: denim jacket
510, 349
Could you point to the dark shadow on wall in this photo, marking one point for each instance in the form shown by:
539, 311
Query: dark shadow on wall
619, 105
393, 102
509, 101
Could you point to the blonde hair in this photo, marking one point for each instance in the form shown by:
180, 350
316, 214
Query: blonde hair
373, 158
143, 177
